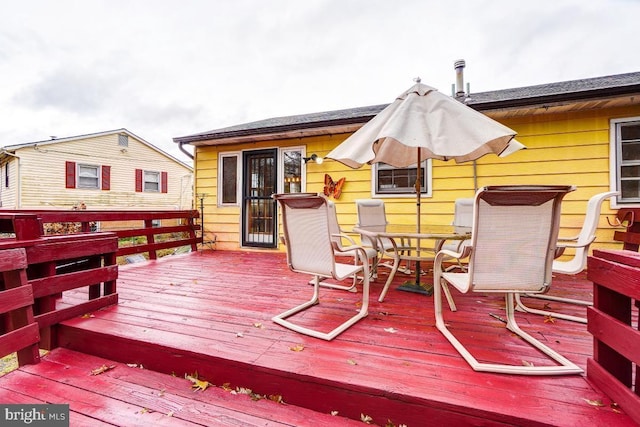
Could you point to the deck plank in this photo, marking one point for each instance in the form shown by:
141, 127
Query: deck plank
210, 311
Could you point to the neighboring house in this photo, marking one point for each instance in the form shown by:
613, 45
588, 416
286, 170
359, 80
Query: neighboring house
582, 132
102, 171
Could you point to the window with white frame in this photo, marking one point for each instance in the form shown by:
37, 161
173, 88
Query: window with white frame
625, 137
151, 181
228, 179
291, 167
88, 176
392, 181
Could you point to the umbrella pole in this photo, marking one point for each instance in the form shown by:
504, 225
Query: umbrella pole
415, 286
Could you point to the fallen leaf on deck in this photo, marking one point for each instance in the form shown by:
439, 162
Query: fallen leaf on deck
366, 419
197, 383
227, 387
135, 365
240, 335
391, 330
258, 325
352, 362
527, 363
546, 306
614, 407
334, 413
87, 316
549, 319
170, 414
594, 402
297, 347
102, 369
276, 398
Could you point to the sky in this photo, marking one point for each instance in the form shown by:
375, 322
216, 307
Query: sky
169, 68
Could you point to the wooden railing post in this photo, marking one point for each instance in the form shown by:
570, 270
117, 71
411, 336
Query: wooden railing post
616, 280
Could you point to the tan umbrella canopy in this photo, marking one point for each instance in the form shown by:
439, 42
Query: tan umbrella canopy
421, 124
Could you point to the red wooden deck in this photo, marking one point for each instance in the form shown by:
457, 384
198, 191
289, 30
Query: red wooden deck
209, 312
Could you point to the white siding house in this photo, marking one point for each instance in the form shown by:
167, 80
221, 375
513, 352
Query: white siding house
107, 170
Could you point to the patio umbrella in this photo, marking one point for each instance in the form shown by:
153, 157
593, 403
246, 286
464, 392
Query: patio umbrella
421, 124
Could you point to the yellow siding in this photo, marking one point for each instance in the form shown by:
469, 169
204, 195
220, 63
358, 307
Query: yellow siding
567, 148
43, 175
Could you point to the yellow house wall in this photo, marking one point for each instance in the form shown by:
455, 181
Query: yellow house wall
568, 148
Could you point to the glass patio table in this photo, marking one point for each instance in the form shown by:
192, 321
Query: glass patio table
406, 245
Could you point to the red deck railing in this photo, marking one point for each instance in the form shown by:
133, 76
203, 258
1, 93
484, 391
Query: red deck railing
59, 263
611, 320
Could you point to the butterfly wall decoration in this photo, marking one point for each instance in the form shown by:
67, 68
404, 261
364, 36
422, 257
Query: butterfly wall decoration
331, 187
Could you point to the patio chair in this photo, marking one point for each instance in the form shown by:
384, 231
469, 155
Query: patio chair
371, 213
462, 223
310, 250
338, 236
577, 263
515, 230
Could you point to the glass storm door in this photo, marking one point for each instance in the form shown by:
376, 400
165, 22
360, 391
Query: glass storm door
258, 208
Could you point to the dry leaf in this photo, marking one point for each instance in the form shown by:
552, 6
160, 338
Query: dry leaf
297, 347
366, 419
391, 330
170, 414
276, 398
258, 325
227, 387
334, 413
594, 402
527, 363
549, 319
87, 316
197, 383
240, 335
352, 362
102, 369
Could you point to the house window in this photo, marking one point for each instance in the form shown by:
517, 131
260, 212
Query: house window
88, 176
626, 138
392, 181
228, 176
151, 181
123, 140
6, 174
292, 170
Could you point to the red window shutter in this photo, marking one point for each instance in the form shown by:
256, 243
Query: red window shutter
164, 181
70, 175
138, 180
106, 177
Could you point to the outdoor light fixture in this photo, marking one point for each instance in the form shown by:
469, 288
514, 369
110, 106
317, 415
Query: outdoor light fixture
315, 158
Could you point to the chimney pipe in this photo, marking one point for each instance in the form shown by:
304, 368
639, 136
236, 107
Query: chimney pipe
459, 67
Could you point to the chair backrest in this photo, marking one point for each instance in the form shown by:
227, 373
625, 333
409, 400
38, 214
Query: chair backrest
587, 234
463, 215
515, 230
334, 225
305, 223
371, 212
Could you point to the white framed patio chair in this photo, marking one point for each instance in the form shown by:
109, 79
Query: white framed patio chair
513, 242
339, 237
310, 250
371, 212
580, 245
462, 223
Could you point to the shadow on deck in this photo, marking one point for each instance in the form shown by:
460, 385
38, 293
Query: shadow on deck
209, 312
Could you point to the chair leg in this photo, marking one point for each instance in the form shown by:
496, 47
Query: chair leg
521, 306
362, 313
565, 366
392, 273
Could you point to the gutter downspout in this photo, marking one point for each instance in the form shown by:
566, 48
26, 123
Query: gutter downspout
181, 148
18, 180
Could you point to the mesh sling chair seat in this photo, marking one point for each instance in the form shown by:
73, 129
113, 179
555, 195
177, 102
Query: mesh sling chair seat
515, 230
577, 263
310, 250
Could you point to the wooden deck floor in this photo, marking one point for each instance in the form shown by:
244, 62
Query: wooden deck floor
209, 312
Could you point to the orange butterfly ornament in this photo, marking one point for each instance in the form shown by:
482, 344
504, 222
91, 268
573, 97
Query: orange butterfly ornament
332, 188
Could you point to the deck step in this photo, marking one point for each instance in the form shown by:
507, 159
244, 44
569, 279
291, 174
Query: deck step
126, 395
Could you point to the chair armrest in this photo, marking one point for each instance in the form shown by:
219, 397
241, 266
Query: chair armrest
346, 237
